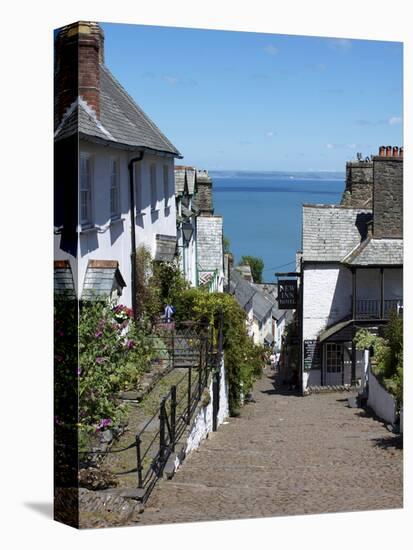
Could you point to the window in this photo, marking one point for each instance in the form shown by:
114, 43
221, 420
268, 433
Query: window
166, 185
138, 188
85, 174
334, 357
153, 186
114, 188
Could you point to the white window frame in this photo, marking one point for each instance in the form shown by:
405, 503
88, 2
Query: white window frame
166, 185
153, 186
114, 188
138, 188
85, 189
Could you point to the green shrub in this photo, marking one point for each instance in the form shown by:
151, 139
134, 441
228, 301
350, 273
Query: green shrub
387, 353
243, 359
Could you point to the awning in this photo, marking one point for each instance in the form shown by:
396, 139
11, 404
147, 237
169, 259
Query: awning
102, 278
334, 330
64, 287
165, 248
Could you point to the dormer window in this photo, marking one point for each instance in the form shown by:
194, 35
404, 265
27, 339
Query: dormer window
85, 175
114, 189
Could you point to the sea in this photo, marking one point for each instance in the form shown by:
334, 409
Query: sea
262, 211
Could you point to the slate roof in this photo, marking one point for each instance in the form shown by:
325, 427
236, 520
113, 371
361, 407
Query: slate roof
331, 232
261, 305
64, 287
121, 120
165, 248
376, 252
240, 288
185, 180
102, 276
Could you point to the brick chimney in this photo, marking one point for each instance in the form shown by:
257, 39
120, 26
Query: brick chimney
388, 194
78, 54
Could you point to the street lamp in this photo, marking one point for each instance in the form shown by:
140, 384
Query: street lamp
187, 231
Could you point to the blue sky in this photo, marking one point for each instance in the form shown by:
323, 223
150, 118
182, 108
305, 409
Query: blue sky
254, 101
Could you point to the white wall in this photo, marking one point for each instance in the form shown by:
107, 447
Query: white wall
112, 240
327, 297
382, 403
202, 424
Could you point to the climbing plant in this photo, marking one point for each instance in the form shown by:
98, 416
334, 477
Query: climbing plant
243, 359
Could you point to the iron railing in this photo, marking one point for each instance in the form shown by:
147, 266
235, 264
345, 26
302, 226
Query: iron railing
371, 309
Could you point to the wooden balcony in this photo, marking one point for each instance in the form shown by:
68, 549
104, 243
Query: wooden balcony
372, 309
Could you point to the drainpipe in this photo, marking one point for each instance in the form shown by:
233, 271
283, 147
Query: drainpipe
133, 233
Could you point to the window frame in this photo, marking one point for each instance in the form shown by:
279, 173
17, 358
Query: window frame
153, 186
88, 220
114, 213
165, 174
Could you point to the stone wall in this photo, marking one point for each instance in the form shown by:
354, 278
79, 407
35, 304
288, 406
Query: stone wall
359, 185
203, 197
388, 197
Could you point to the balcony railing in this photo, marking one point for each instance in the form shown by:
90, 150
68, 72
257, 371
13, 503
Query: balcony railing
371, 309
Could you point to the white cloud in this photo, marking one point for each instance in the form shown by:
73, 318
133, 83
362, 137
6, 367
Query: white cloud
395, 120
171, 79
270, 134
352, 145
330, 146
270, 49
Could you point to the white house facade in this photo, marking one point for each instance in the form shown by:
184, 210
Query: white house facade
351, 275
121, 194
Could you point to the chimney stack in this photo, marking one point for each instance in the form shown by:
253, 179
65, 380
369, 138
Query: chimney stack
78, 55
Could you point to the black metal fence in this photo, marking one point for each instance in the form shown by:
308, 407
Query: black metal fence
176, 409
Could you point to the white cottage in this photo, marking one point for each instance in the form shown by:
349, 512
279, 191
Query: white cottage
351, 273
114, 172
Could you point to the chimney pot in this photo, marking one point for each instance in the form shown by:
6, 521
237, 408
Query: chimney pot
395, 151
401, 152
388, 151
382, 151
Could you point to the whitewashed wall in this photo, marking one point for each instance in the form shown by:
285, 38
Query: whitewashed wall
382, 402
111, 240
327, 297
202, 424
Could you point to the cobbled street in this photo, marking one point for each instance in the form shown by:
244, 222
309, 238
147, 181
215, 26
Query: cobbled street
285, 455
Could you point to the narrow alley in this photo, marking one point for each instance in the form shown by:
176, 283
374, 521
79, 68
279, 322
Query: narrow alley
285, 455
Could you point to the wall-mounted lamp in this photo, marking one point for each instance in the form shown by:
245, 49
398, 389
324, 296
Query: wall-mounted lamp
187, 231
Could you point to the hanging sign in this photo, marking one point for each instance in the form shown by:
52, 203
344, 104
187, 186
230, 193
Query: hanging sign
287, 294
312, 354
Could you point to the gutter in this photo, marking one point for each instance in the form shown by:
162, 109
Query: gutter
133, 229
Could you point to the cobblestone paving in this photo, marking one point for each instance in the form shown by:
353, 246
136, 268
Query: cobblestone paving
285, 455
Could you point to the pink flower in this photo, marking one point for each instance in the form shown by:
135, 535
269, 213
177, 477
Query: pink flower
98, 334
100, 360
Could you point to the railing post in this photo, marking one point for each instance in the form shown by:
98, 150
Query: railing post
162, 414
173, 417
173, 348
199, 382
139, 461
188, 414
